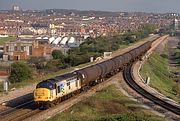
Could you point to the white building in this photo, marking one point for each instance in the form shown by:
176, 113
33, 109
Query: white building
176, 25
16, 8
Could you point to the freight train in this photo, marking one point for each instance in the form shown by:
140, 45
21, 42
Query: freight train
54, 90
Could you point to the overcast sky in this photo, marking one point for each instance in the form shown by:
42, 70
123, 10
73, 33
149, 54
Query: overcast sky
105, 5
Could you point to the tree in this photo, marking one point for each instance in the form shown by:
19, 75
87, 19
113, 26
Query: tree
20, 72
57, 54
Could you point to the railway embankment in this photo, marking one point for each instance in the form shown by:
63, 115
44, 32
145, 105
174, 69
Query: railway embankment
157, 68
160, 72
142, 83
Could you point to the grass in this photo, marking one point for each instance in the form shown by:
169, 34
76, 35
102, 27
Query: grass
6, 39
107, 105
157, 69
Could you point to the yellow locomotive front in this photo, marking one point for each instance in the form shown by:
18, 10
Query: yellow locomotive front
44, 93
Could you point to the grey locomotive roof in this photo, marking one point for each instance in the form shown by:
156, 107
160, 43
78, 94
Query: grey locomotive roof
65, 76
50, 80
59, 78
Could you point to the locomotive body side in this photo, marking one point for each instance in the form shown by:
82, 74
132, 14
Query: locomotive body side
67, 86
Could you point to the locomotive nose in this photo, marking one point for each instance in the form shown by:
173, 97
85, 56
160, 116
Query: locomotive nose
41, 94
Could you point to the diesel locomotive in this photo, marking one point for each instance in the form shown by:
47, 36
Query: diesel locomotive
52, 91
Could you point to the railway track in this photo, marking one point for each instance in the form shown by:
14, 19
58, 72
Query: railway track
19, 112
127, 73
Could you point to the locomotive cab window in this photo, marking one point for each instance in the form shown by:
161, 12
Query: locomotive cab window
47, 85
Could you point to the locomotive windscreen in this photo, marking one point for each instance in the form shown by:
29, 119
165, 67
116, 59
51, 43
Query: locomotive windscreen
45, 84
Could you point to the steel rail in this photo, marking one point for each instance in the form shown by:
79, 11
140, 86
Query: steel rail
127, 73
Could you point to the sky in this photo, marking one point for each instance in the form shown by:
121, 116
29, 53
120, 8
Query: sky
158, 6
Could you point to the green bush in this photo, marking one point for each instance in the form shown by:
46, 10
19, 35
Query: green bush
20, 72
57, 54
52, 64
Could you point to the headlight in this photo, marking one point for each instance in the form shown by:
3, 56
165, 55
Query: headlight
35, 93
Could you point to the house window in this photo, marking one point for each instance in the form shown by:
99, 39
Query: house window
22, 48
15, 48
7, 48
30, 50
11, 48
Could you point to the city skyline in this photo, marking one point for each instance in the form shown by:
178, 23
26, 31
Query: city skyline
159, 6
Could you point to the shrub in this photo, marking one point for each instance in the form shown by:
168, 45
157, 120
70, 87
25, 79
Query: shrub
57, 54
20, 72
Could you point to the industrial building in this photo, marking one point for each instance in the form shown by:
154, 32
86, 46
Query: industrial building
22, 50
66, 41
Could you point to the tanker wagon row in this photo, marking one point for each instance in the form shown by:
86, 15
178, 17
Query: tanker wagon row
52, 91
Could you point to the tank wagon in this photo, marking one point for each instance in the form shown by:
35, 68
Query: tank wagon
54, 90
